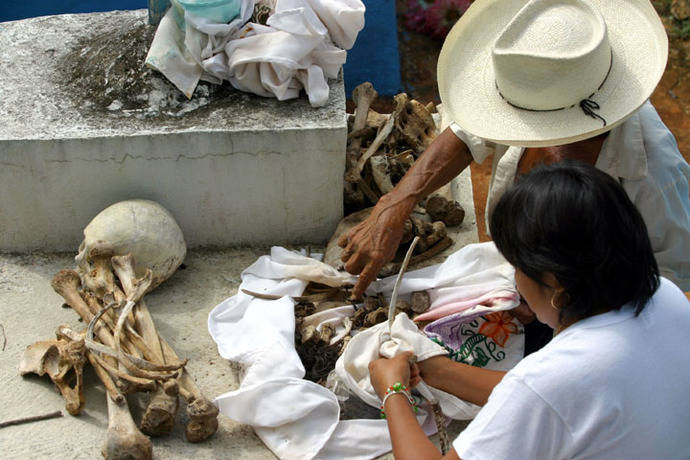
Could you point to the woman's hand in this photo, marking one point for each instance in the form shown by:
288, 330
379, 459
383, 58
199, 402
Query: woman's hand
430, 370
384, 372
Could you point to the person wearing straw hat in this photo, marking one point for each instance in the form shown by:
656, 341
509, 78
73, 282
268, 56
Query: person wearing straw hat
538, 82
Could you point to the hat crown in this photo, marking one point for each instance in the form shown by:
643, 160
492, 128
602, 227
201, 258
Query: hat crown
552, 54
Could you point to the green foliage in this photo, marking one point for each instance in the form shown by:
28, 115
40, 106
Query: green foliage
682, 29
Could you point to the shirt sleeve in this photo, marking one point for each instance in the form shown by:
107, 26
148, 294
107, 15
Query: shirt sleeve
515, 423
479, 148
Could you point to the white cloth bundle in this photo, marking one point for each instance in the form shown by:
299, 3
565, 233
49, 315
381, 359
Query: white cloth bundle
353, 365
297, 418
295, 50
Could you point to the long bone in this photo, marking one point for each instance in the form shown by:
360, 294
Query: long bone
124, 440
202, 413
161, 412
140, 287
67, 283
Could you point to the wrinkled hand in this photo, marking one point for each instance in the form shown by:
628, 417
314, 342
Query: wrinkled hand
373, 242
384, 372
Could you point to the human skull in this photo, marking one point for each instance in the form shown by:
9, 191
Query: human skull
142, 228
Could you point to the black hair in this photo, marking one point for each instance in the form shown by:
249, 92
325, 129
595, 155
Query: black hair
577, 222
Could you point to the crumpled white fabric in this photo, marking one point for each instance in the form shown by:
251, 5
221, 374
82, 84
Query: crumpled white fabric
284, 263
301, 46
474, 279
296, 418
353, 365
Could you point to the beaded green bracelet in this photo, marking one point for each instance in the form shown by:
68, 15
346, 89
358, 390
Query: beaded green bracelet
398, 387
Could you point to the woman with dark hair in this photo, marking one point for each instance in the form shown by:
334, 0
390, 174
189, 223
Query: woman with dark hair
613, 381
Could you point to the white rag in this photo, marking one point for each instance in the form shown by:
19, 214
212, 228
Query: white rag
301, 46
296, 418
353, 365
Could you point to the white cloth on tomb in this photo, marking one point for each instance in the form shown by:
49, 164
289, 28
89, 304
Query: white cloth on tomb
301, 46
294, 417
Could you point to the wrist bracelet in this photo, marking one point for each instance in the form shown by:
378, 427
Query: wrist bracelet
396, 388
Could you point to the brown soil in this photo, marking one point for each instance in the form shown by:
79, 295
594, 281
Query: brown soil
105, 73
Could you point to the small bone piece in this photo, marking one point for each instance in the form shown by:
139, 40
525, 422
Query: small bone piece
59, 358
159, 418
380, 173
414, 125
326, 333
420, 301
377, 316
450, 212
371, 303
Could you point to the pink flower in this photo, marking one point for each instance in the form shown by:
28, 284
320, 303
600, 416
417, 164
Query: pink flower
415, 18
443, 14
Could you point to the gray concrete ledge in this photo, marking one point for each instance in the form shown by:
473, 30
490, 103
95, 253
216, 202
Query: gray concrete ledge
78, 133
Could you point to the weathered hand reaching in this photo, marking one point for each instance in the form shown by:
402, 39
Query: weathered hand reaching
372, 243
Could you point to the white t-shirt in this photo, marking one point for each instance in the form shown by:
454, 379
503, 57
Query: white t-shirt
643, 155
612, 386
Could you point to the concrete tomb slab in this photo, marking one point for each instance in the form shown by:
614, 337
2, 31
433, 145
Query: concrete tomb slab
84, 124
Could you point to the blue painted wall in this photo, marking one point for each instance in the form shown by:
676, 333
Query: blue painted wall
374, 57
14, 9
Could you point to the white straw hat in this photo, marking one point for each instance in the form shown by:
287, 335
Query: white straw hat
550, 72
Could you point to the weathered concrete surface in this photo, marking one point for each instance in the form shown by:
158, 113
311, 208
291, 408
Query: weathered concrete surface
83, 125
31, 311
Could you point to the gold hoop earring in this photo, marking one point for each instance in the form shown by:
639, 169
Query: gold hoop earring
552, 304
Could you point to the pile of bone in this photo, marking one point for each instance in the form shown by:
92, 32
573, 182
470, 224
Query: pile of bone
320, 346
121, 341
381, 149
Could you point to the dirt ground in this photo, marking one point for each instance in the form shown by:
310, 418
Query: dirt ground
419, 53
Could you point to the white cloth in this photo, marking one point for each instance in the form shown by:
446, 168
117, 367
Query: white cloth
293, 51
644, 156
463, 282
612, 386
353, 365
297, 418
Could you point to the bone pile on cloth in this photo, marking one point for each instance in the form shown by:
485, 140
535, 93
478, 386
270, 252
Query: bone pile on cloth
297, 418
301, 46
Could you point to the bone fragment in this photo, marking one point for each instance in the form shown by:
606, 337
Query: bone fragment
420, 301
354, 175
159, 418
58, 358
393, 267
448, 211
326, 333
415, 125
380, 174
377, 316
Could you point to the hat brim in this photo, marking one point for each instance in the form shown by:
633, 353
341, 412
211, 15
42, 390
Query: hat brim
468, 90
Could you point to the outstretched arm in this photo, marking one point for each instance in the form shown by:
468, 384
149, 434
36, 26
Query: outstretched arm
373, 242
